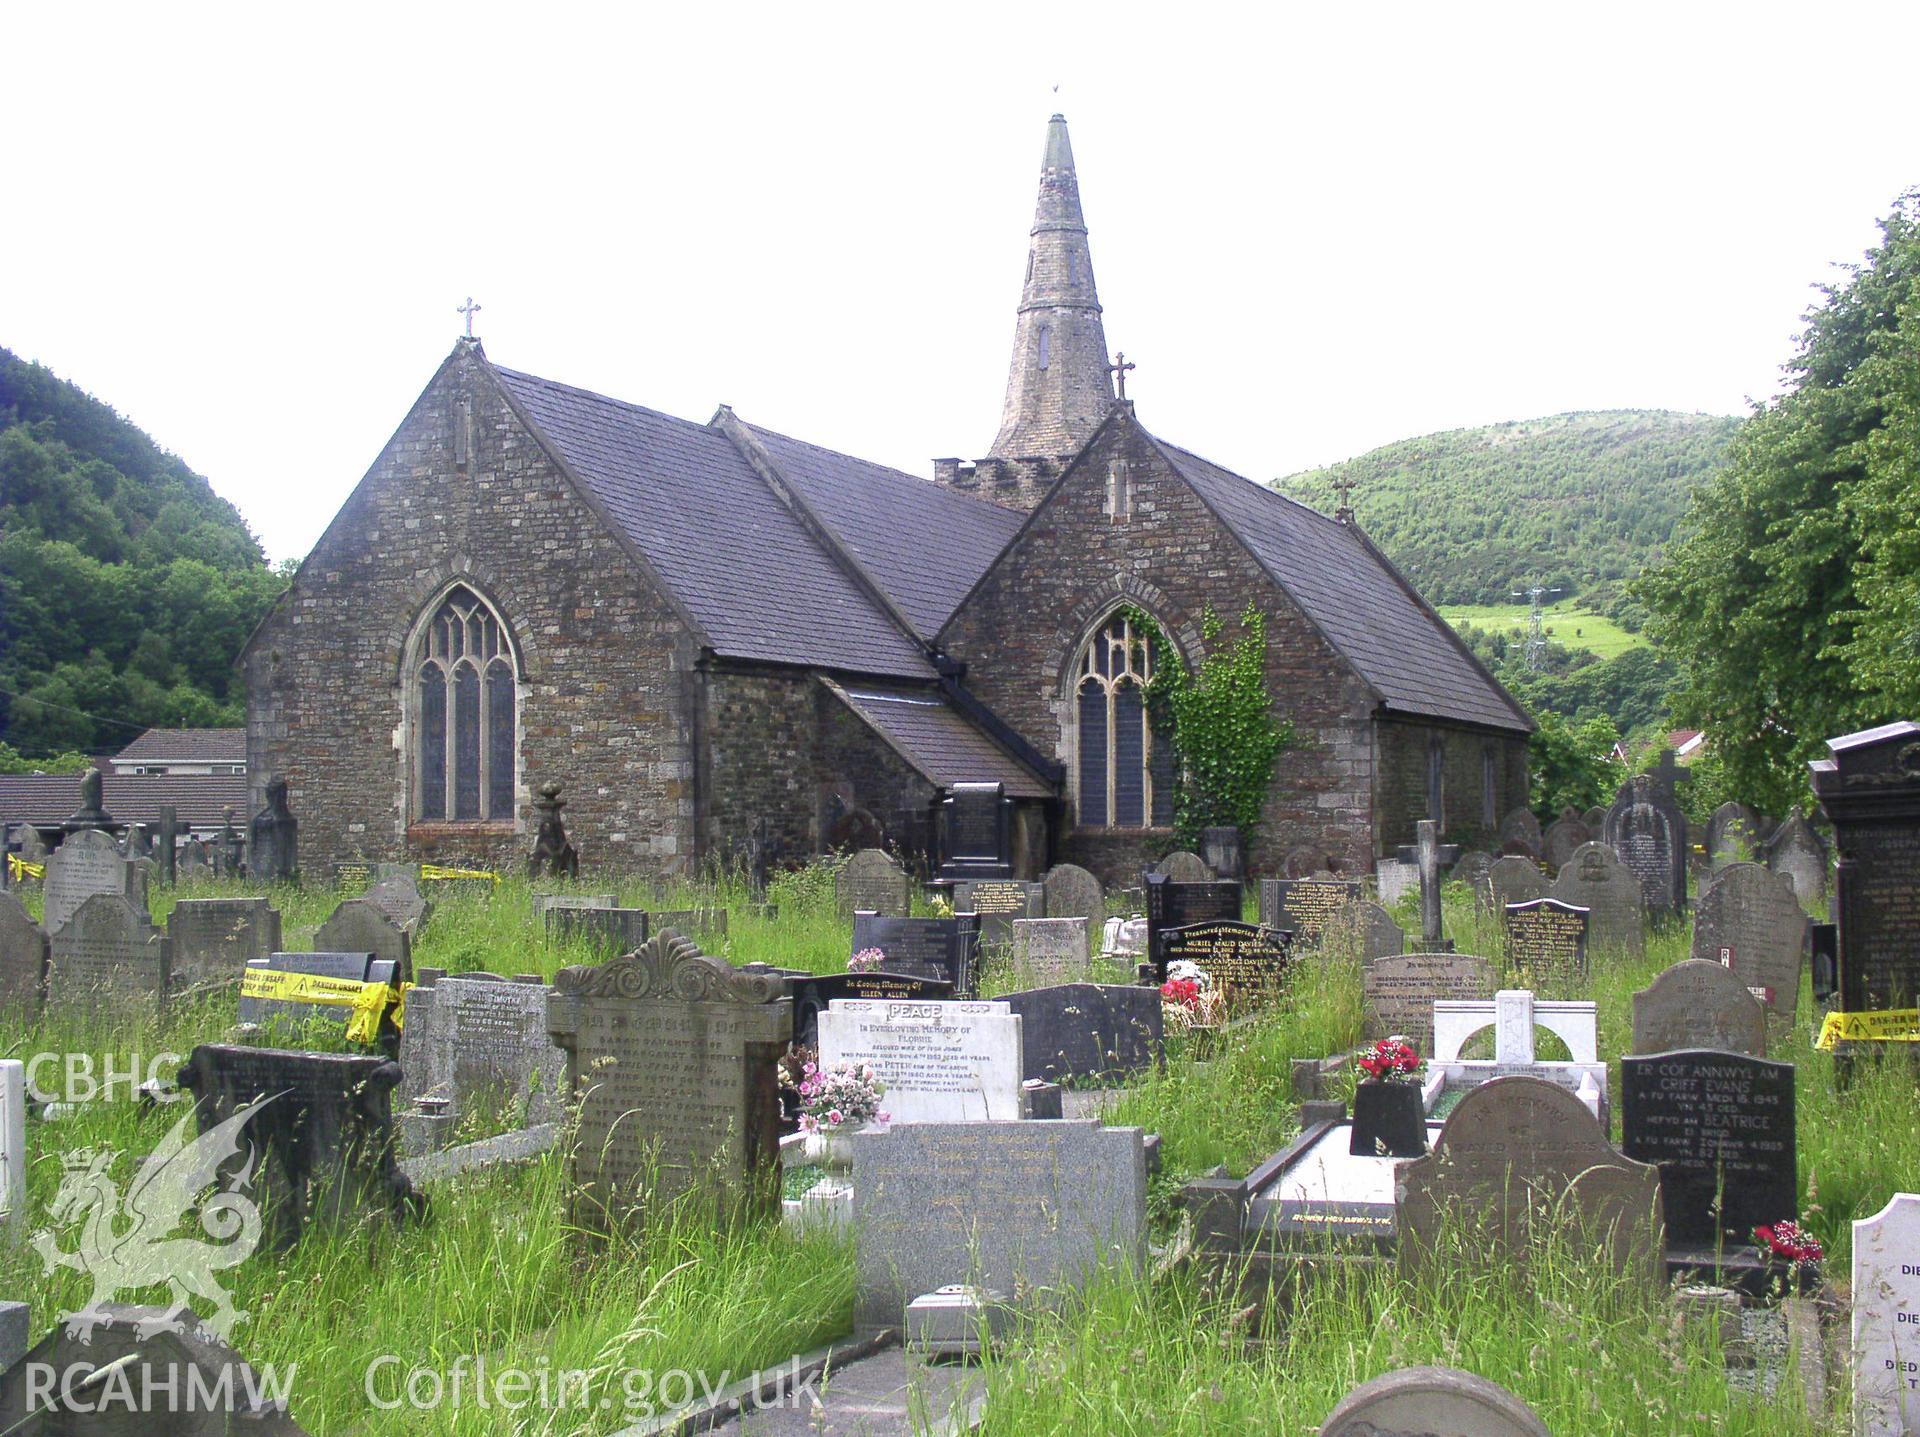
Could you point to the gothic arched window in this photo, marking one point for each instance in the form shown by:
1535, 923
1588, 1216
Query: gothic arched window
1126, 776
465, 706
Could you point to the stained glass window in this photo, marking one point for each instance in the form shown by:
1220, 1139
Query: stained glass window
1126, 771
465, 704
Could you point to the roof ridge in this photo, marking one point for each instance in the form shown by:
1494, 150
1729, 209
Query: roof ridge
765, 432
694, 424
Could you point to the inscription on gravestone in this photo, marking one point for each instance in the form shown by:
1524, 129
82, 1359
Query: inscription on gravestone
1870, 792
1249, 965
107, 952
1646, 828
23, 959
1400, 992
1179, 905
947, 949
1595, 879
1304, 906
1547, 942
997, 902
1886, 1320
1698, 1004
1750, 921
1072, 892
85, 864
481, 1040
873, 882
1050, 950
812, 996
1720, 1127
940, 1062
213, 938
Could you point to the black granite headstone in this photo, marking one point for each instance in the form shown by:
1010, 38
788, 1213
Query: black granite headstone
1087, 1033
1248, 964
1176, 905
1870, 792
976, 825
1547, 941
946, 949
608, 931
812, 995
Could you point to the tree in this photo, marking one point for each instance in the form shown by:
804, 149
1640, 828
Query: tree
1792, 609
1573, 767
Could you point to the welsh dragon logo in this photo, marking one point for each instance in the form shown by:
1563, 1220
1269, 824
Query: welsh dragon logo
127, 1243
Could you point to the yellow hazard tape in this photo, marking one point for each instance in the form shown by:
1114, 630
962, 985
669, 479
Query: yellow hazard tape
429, 870
21, 869
370, 1001
1893, 1025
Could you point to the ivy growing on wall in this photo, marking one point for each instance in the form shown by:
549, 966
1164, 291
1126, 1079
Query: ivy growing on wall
1220, 718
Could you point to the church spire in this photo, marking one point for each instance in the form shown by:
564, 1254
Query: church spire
1058, 389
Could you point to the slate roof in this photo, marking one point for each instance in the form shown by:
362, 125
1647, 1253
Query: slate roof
742, 563
926, 546
46, 800
940, 743
186, 745
1402, 649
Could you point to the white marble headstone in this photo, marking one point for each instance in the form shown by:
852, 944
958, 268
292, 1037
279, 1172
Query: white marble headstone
941, 1062
1886, 1320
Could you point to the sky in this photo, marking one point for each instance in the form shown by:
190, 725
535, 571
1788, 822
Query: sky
1315, 229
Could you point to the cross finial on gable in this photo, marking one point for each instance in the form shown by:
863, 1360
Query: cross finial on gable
469, 309
1344, 484
1119, 369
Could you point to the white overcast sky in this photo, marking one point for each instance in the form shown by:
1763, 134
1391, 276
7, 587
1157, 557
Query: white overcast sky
1316, 228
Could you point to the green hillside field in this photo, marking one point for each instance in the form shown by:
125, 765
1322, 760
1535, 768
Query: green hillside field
1567, 624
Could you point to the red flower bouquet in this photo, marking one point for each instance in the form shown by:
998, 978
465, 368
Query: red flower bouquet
1391, 1060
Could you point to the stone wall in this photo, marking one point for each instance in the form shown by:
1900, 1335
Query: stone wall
1404, 744
1022, 632
463, 493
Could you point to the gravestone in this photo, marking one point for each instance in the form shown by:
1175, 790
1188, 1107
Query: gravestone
344, 973
86, 864
997, 902
1249, 965
873, 882
1595, 879
1521, 1153
321, 1146
357, 926
940, 1062
108, 953
1733, 835
214, 937
355, 875
137, 843
1870, 793
1886, 1320
1177, 905
813, 995
273, 838
1025, 1208
1646, 828
1720, 1128
196, 864
1698, 1003
31, 847
1365, 931
673, 1056
976, 826
1547, 942
1072, 892
169, 844
1222, 850
1750, 921
1798, 853
398, 896
23, 960
1520, 832
1595, 819
606, 930
1088, 1033
229, 848
1400, 992
1512, 879
1304, 906
1394, 878
1181, 866
481, 1041
944, 948
1565, 834
545, 903
91, 816
1433, 856
1432, 1402
1470, 868
1050, 950
554, 855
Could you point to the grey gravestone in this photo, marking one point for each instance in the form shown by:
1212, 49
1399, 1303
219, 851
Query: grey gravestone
1547, 942
273, 839
873, 882
1400, 992
194, 1383
545, 903
1394, 879
943, 1203
1470, 868
398, 896
352, 969
1720, 1127
1595, 819
1646, 828
1364, 930
1870, 793
1521, 830
1072, 892
213, 938
1565, 834
673, 1056
1050, 950
169, 844
1750, 921
1079, 1033
1733, 835
998, 901
356, 926
23, 959
1512, 879
92, 814
1797, 852
108, 952
1181, 866
1222, 850
321, 1147
1595, 879
1519, 1151
1177, 905
137, 843
944, 948
1433, 856
812, 996
1886, 1312
86, 864
195, 864
32, 847
481, 1041
229, 848
1698, 1004
606, 930
1432, 1402
1304, 906
1249, 965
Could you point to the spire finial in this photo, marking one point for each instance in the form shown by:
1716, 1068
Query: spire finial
469, 309
1119, 369
1344, 484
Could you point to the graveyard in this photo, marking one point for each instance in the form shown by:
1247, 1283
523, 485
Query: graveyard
506, 1225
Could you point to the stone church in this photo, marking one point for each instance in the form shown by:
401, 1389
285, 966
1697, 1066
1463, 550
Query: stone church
721, 639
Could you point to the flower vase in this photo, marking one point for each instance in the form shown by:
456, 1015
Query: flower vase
1389, 1120
832, 1147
